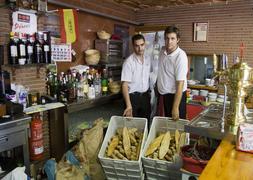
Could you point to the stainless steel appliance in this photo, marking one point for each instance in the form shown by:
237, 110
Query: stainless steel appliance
111, 51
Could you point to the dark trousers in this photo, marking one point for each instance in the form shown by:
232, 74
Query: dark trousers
168, 100
141, 104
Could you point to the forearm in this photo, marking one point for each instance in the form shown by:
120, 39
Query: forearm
178, 94
126, 96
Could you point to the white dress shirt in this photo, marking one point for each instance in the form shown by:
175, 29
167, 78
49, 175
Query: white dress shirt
136, 73
172, 67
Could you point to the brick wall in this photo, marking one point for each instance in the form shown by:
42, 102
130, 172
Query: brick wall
229, 25
33, 76
88, 26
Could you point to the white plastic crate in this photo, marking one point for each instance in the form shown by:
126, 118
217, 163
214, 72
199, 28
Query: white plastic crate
122, 169
160, 169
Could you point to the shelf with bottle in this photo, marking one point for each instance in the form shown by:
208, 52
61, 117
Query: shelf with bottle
28, 49
79, 87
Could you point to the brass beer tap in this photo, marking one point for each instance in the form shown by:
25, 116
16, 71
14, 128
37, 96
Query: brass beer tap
238, 78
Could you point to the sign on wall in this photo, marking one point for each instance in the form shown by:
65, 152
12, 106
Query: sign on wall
200, 30
24, 22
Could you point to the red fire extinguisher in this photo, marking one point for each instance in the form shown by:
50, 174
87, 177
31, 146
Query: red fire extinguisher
36, 138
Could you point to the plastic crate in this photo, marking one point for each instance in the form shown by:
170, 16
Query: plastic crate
160, 169
122, 169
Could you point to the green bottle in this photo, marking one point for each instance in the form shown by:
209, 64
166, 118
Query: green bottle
104, 82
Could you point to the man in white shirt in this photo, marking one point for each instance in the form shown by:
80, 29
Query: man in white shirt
135, 80
172, 75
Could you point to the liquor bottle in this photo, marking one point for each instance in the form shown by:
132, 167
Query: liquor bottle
46, 48
34, 5
12, 4
25, 4
55, 88
110, 77
13, 50
63, 90
80, 87
91, 93
72, 87
104, 82
21, 49
49, 82
30, 48
97, 84
85, 84
38, 49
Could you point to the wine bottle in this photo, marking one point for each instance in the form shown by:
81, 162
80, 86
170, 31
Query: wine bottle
13, 49
21, 49
30, 48
38, 49
46, 49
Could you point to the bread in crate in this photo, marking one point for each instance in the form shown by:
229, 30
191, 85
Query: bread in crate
119, 155
125, 144
160, 155
166, 146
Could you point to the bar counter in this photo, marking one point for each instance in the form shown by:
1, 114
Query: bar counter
203, 87
228, 163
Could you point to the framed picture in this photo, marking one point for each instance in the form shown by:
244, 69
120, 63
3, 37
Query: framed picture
200, 31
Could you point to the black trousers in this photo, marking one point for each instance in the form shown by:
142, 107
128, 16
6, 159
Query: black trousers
168, 100
141, 104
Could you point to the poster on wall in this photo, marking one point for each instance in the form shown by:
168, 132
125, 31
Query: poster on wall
24, 22
150, 40
200, 30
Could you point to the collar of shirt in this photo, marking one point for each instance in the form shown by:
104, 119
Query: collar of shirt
138, 59
171, 54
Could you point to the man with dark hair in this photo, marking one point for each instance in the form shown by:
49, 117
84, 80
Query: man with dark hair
135, 80
172, 75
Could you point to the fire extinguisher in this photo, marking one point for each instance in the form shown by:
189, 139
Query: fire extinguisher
36, 138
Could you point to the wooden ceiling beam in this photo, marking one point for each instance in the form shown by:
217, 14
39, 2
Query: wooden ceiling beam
142, 4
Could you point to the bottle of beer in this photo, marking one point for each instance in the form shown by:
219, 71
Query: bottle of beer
104, 82
13, 50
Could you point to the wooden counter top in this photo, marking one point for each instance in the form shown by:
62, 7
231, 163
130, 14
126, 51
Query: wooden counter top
228, 164
204, 87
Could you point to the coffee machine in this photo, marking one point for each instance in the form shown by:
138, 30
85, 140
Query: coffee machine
5, 84
5, 88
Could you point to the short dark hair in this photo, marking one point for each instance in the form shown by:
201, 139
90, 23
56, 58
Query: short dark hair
172, 29
137, 37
